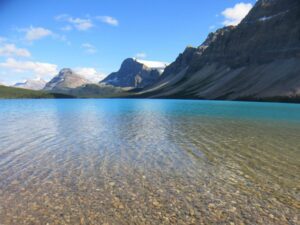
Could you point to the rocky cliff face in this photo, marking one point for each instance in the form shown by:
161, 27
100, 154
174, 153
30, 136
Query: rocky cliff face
65, 80
135, 74
258, 59
38, 84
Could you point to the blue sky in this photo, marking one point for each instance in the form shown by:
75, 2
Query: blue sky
38, 38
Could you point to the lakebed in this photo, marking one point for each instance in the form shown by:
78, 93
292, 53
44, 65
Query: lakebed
119, 161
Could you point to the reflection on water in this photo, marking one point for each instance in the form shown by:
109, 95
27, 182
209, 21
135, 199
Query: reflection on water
148, 162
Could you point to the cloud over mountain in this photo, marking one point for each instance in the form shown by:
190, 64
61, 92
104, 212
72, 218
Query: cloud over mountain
39, 69
90, 73
234, 15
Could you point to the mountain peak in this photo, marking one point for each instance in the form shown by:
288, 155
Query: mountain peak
268, 9
65, 71
66, 79
135, 73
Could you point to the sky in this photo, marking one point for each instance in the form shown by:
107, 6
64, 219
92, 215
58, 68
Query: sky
93, 37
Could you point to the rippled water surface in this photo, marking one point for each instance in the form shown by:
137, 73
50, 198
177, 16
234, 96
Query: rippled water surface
148, 162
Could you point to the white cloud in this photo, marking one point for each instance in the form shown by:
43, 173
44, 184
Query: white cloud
83, 24
108, 20
90, 74
89, 48
38, 69
140, 55
234, 15
12, 50
80, 24
36, 33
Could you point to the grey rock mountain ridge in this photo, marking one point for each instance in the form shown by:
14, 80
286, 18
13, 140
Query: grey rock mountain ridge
37, 84
257, 60
135, 73
65, 80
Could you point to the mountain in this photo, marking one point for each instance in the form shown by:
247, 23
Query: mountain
257, 60
13, 93
135, 73
31, 84
65, 80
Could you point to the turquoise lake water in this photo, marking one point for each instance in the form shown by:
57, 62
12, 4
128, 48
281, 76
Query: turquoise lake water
118, 161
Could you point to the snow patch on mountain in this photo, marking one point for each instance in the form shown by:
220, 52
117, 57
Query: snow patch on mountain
153, 64
265, 18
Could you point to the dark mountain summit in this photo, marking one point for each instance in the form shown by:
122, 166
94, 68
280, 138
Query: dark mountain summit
259, 59
135, 73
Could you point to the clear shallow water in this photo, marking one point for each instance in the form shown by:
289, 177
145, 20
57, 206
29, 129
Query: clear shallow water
148, 162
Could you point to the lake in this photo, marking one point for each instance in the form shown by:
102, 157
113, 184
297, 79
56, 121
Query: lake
112, 161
